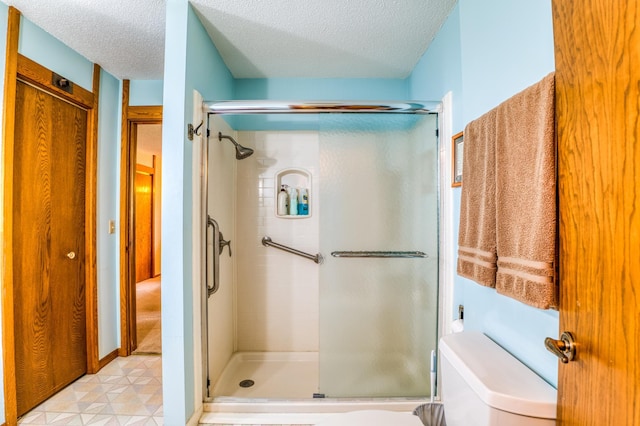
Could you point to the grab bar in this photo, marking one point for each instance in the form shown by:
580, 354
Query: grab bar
400, 254
216, 256
219, 243
268, 242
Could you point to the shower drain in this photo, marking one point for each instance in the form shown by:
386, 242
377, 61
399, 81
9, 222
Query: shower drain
247, 383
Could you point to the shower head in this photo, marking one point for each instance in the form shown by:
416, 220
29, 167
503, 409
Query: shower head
241, 151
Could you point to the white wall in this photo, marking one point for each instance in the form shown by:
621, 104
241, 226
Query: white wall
277, 292
222, 198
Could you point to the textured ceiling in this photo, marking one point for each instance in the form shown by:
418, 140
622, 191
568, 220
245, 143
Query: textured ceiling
322, 38
256, 38
126, 37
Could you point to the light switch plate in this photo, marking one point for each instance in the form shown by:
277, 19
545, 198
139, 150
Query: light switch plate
112, 226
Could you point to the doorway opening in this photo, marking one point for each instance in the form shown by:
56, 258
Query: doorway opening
147, 186
140, 248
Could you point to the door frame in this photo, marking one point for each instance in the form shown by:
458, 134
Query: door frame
132, 116
21, 68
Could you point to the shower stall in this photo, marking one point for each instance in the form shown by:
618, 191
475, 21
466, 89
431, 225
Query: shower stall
340, 301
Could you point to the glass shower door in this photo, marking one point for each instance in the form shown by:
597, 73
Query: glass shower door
378, 316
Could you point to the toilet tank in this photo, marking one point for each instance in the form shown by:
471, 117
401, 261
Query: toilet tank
482, 384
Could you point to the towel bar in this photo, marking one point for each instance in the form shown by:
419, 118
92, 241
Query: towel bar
399, 254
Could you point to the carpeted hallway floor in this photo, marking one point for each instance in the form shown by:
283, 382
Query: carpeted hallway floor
148, 316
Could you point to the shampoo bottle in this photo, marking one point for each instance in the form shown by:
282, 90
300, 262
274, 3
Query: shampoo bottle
303, 202
283, 201
293, 202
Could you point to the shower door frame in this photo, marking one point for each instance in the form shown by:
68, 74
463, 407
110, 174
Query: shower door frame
445, 202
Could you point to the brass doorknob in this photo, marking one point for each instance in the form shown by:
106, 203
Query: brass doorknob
565, 348
71, 255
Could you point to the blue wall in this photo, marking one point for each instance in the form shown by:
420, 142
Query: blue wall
145, 92
175, 312
322, 89
38, 45
191, 63
506, 46
438, 72
485, 53
108, 208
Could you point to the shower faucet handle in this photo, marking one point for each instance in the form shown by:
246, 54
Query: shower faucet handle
224, 243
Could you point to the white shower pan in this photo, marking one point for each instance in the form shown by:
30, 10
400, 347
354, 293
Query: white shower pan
282, 393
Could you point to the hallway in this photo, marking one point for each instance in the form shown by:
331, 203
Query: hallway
128, 391
148, 323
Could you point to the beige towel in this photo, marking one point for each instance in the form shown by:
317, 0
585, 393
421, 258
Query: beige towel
526, 196
477, 233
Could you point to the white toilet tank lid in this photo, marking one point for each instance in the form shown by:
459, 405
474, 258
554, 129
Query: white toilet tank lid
497, 377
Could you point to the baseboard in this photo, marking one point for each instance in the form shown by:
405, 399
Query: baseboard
195, 419
107, 359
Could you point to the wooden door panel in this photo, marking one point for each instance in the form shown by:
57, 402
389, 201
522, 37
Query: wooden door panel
68, 235
32, 205
598, 115
144, 228
49, 206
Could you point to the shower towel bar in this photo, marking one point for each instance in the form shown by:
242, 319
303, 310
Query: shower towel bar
268, 242
401, 254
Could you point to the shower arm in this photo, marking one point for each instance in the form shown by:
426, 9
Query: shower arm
233, 141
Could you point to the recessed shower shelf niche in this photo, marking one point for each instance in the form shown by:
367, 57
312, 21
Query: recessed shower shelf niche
293, 178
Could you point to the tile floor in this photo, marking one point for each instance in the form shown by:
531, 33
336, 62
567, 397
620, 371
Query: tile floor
128, 391
245, 424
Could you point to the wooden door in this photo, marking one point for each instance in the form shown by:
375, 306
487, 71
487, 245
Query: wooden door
144, 225
48, 245
597, 45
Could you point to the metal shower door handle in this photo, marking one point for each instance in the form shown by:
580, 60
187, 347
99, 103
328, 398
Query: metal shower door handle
215, 257
219, 243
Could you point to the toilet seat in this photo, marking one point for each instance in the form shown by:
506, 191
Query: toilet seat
372, 418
